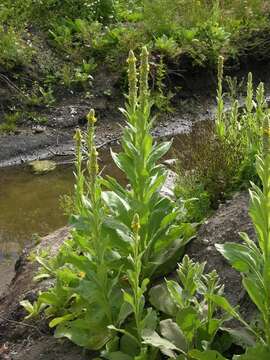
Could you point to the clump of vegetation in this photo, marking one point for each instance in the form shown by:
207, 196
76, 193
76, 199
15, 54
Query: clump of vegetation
10, 122
227, 162
67, 42
123, 236
251, 259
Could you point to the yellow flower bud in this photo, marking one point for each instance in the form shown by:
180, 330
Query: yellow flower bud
78, 136
136, 223
81, 274
91, 118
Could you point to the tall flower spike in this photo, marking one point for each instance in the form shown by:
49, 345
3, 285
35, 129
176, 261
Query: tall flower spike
144, 72
220, 72
266, 136
79, 187
249, 97
78, 140
92, 152
133, 81
260, 95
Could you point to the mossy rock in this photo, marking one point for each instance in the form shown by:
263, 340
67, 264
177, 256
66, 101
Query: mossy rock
42, 166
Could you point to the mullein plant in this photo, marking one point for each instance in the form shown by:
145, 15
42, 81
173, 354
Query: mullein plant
120, 237
193, 323
163, 233
97, 295
86, 297
145, 320
252, 258
241, 129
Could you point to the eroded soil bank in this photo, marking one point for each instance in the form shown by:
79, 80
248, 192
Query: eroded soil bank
33, 340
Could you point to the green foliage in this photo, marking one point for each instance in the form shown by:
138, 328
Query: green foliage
198, 201
250, 259
162, 98
194, 325
162, 234
242, 127
38, 95
14, 51
227, 161
167, 46
10, 122
121, 237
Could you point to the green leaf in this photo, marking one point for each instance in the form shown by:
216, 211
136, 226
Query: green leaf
176, 292
152, 338
118, 355
58, 320
160, 298
159, 151
171, 331
188, 321
241, 337
256, 293
125, 310
150, 320
79, 332
129, 299
205, 355
240, 256
27, 306
259, 352
124, 163
223, 303
129, 346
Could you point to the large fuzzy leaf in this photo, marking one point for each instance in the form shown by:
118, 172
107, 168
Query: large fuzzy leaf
240, 256
171, 331
80, 332
152, 338
160, 298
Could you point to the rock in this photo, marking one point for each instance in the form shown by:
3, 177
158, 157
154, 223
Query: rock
42, 166
38, 129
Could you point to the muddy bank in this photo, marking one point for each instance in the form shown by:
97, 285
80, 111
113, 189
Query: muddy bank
32, 142
29, 342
